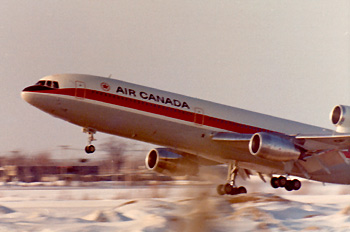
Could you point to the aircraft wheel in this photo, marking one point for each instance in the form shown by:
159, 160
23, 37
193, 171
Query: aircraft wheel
282, 181
289, 185
296, 184
274, 182
228, 189
220, 189
242, 190
235, 191
90, 149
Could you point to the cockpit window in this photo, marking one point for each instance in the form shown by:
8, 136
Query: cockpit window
55, 85
40, 83
50, 84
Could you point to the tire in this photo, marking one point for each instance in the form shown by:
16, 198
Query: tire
282, 181
274, 182
234, 191
289, 185
296, 184
220, 189
90, 149
242, 190
228, 189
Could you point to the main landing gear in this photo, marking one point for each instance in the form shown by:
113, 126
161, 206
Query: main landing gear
231, 188
90, 148
282, 182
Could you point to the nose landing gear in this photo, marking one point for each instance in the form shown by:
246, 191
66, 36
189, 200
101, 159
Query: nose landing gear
90, 148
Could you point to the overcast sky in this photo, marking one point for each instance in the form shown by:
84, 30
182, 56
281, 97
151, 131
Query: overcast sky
284, 58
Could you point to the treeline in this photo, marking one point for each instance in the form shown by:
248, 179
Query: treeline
115, 162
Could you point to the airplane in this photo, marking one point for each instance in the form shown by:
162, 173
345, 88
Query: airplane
192, 133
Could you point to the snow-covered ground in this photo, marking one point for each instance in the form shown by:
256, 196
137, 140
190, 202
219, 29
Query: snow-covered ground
186, 207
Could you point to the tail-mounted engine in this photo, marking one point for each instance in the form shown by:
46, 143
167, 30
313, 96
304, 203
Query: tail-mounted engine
273, 147
165, 161
340, 117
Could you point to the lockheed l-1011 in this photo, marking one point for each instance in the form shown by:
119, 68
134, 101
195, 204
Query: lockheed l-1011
194, 132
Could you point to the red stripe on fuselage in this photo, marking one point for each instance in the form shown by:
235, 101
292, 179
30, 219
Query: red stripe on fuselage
347, 154
175, 113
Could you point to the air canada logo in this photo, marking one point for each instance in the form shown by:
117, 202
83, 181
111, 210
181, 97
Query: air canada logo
105, 86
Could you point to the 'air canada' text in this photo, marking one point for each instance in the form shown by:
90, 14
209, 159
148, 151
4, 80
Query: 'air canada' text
153, 97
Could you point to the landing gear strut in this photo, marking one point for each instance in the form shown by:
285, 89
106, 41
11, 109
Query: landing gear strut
90, 148
282, 182
230, 187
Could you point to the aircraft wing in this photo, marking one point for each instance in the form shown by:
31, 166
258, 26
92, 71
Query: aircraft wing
308, 142
324, 156
324, 142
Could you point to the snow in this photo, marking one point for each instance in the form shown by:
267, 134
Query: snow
185, 207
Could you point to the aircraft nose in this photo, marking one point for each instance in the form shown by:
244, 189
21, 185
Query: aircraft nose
27, 96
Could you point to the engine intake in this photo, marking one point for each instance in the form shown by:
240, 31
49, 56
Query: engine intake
273, 147
340, 117
167, 162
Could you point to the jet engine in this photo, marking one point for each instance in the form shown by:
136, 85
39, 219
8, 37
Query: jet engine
340, 117
273, 147
167, 162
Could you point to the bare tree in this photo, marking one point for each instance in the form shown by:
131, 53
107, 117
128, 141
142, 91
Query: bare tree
16, 158
115, 151
42, 159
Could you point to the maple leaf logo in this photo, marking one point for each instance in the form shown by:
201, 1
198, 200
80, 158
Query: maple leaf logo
105, 86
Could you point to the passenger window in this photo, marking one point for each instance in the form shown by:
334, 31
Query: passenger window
48, 83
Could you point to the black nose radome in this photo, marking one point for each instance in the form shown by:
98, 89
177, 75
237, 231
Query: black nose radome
36, 88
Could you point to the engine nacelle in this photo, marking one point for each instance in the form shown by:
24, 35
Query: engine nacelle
273, 147
163, 160
340, 117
